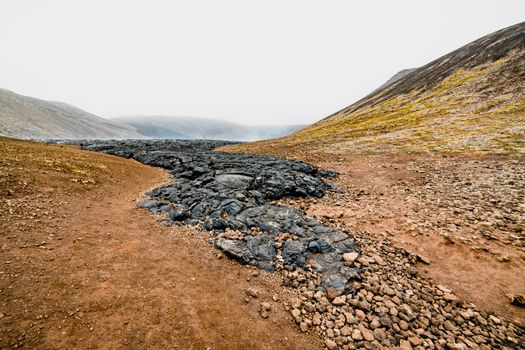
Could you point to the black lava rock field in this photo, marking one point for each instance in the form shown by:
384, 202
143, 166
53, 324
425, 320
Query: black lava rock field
232, 193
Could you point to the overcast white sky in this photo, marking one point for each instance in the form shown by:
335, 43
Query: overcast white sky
254, 62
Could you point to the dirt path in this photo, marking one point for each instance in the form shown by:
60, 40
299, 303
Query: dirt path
81, 267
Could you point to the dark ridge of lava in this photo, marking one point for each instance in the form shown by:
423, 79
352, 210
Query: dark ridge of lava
225, 191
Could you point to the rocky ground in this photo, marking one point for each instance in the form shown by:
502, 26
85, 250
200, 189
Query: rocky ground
479, 201
82, 268
416, 214
391, 303
229, 194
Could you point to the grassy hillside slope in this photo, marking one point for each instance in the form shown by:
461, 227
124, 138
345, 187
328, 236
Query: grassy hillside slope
469, 101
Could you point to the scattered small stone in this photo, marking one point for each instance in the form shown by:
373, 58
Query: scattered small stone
504, 258
450, 297
467, 314
369, 336
494, 319
360, 314
303, 326
296, 303
346, 331
517, 299
265, 306
252, 292
340, 300
423, 259
448, 240
330, 344
415, 341
405, 345
332, 293
375, 323
377, 259
296, 313
356, 335
350, 257
380, 334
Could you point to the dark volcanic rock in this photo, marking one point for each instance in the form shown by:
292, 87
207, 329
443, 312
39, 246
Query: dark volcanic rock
223, 191
256, 251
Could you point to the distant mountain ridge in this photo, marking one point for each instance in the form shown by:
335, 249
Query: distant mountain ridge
30, 118
471, 100
203, 128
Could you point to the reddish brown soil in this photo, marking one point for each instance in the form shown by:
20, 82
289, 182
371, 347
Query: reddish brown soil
81, 267
475, 273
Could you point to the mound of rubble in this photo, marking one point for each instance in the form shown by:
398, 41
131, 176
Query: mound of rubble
231, 195
393, 307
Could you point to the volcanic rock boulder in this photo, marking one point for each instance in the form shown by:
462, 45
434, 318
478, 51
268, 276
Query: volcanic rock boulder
233, 192
257, 251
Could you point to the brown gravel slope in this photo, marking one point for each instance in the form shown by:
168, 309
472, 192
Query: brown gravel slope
465, 215
81, 267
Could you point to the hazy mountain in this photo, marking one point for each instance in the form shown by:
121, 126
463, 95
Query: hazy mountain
396, 77
28, 117
203, 128
470, 100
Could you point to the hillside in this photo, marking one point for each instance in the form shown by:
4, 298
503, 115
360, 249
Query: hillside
177, 127
27, 117
471, 100
396, 77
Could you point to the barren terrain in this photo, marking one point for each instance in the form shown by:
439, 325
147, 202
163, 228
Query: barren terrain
82, 267
373, 296
440, 238
463, 215
397, 222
